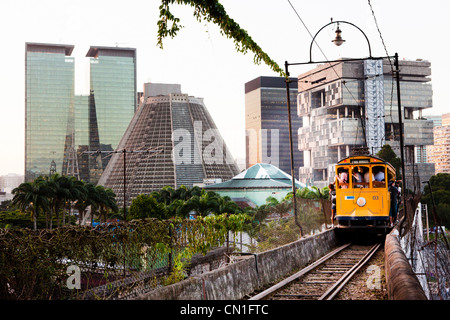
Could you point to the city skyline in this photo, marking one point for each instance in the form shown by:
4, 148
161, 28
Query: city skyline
407, 27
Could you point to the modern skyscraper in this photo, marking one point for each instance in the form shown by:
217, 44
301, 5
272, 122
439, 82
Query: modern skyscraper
266, 123
422, 151
439, 153
49, 99
62, 129
192, 150
113, 85
110, 106
353, 104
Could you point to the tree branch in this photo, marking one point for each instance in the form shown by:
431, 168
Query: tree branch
213, 11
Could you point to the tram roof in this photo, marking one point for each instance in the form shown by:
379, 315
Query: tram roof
372, 160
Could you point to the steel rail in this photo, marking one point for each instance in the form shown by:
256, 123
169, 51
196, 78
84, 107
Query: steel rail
297, 275
335, 288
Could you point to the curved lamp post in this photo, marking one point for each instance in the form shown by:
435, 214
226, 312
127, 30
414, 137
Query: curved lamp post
339, 41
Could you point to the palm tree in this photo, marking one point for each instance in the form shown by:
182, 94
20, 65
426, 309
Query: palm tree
281, 207
106, 201
306, 193
167, 195
53, 187
177, 208
196, 191
75, 192
226, 205
82, 204
49, 192
92, 199
203, 205
182, 193
65, 190
60, 193
32, 196
95, 197
111, 203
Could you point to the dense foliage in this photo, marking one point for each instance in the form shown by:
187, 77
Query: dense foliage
180, 202
34, 263
274, 222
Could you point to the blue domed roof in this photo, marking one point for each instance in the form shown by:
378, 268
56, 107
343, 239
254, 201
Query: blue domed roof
260, 175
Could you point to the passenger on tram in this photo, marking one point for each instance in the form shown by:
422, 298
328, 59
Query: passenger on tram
333, 202
378, 173
367, 176
342, 178
357, 178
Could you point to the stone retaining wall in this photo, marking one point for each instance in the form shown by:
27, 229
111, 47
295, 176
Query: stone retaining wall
249, 273
402, 283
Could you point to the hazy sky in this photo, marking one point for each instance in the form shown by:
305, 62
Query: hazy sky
203, 61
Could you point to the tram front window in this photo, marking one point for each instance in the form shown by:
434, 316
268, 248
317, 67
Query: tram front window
359, 176
379, 177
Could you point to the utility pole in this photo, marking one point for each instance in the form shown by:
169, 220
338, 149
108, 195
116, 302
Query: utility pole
291, 149
125, 151
400, 122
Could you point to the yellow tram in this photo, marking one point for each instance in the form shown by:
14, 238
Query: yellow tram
362, 194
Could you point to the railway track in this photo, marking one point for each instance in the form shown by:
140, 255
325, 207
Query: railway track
323, 279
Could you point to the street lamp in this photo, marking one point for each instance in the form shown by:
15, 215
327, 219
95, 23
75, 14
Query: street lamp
338, 41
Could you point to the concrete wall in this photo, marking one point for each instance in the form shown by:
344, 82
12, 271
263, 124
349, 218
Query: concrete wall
251, 272
402, 283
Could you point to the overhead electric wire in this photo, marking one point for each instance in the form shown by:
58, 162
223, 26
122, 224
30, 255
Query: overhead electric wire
312, 37
343, 82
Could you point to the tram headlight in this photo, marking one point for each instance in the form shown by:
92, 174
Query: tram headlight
361, 202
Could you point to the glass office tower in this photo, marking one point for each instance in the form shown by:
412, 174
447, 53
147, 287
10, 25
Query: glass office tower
49, 97
266, 123
62, 130
113, 85
112, 102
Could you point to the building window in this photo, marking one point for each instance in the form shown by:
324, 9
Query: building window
318, 99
